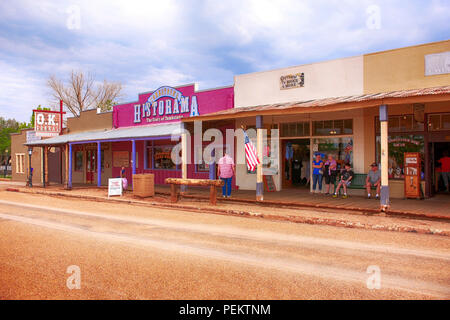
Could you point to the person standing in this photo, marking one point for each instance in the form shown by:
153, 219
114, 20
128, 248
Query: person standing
226, 172
445, 169
330, 177
317, 165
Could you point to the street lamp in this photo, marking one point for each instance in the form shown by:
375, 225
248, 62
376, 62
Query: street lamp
30, 169
5, 172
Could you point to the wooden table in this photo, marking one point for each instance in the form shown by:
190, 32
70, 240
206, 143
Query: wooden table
213, 184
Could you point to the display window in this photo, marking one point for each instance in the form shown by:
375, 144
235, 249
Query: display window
340, 148
398, 146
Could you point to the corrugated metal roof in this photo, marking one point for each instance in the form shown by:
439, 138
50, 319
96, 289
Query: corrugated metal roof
328, 102
122, 133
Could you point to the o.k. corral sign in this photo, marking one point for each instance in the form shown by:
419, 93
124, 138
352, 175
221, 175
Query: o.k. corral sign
47, 123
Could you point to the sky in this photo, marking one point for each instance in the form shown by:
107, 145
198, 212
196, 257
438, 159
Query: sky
147, 44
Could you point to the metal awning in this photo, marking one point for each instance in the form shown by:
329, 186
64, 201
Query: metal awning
130, 133
345, 103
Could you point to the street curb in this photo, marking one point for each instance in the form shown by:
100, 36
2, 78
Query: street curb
248, 214
268, 203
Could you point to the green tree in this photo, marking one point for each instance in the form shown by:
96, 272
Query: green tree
8, 126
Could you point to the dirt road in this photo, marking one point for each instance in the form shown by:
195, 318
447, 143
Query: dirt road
133, 252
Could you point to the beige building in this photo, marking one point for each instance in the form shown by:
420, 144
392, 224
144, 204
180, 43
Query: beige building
333, 107
49, 162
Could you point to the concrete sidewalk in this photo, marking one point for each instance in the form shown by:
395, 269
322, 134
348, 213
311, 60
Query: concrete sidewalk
318, 213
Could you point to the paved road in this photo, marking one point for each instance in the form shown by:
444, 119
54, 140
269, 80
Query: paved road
133, 252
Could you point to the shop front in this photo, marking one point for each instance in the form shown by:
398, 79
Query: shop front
163, 110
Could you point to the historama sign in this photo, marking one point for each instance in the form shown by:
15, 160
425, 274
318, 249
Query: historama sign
171, 104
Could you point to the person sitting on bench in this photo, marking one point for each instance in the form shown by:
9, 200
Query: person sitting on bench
346, 179
373, 180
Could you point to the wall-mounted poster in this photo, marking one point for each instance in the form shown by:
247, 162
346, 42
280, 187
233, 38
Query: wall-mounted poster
121, 159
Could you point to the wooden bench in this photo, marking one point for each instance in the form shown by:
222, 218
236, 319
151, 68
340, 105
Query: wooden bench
358, 181
213, 184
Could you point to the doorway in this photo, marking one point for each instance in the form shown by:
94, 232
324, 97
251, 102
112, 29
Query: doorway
296, 163
438, 150
91, 163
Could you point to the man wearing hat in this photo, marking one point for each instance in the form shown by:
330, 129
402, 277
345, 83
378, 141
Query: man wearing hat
373, 180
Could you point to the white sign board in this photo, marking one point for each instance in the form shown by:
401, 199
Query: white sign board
115, 187
438, 63
31, 136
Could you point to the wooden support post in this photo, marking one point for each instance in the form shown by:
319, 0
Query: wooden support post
184, 157
46, 167
69, 183
213, 195
259, 149
173, 193
384, 196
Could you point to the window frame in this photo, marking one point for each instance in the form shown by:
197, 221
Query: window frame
21, 162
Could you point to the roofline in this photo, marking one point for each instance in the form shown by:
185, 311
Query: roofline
295, 108
89, 110
176, 87
407, 47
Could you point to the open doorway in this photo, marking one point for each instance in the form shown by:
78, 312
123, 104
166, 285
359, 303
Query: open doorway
296, 163
439, 151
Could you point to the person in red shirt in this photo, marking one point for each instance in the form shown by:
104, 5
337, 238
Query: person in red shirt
445, 169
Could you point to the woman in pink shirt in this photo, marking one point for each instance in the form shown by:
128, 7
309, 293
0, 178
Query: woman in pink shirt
226, 173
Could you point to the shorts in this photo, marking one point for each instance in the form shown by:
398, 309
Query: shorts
346, 183
330, 178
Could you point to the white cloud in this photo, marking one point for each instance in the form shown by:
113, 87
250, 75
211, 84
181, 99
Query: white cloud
20, 92
146, 44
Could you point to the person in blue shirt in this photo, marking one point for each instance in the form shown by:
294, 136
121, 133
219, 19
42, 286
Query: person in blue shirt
317, 165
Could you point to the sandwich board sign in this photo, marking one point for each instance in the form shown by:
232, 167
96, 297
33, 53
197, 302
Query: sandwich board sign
115, 187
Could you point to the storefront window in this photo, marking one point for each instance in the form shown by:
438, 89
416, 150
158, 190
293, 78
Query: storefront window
162, 158
401, 123
332, 127
79, 161
340, 148
438, 122
295, 129
398, 145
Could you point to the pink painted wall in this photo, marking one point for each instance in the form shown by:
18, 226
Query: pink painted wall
209, 101
123, 116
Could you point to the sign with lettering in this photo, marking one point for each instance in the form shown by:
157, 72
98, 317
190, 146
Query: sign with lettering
115, 187
31, 136
291, 81
166, 103
437, 63
170, 104
121, 159
47, 123
269, 183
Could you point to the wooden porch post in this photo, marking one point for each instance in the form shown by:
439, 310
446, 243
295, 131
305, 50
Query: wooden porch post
259, 149
184, 153
69, 183
384, 196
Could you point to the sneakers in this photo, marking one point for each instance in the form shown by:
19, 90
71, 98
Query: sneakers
368, 196
344, 196
335, 195
377, 197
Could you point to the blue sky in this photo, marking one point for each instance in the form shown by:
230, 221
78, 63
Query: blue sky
146, 44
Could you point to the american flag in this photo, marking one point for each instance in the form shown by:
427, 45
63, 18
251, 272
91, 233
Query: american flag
250, 154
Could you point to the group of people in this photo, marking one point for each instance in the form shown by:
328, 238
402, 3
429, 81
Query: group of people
328, 170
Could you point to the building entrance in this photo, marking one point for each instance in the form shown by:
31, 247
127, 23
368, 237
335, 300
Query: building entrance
296, 163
